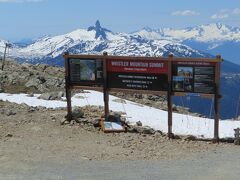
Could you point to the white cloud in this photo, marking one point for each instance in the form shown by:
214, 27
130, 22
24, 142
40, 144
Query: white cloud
225, 13
236, 11
19, 1
185, 13
219, 16
224, 10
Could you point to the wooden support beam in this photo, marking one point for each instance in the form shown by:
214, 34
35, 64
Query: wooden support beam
67, 87
216, 100
105, 86
169, 96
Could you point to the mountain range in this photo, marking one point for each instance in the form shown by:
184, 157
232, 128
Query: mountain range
212, 38
200, 41
197, 41
96, 40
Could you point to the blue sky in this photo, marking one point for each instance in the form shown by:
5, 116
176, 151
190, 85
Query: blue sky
34, 18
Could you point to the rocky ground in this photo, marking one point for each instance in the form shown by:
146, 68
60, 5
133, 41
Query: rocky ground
30, 78
40, 133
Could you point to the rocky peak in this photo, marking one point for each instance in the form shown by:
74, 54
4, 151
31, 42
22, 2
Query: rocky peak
100, 31
219, 25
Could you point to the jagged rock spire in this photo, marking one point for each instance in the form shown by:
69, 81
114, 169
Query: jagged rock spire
100, 31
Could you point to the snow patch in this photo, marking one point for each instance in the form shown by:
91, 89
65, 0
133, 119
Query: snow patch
155, 118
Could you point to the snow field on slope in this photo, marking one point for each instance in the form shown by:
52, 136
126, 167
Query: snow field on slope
155, 118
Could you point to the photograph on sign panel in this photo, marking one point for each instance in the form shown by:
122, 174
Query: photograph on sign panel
99, 67
178, 83
187, 74
87, 70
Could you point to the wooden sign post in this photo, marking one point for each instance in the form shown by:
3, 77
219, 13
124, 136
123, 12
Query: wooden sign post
169, 97
68, 89
105, 86
216, 100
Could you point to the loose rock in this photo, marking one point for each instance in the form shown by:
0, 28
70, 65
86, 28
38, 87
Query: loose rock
237, 141
77, 113
190, 138
139, 123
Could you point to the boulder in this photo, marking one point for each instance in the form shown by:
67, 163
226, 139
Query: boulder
53, 82
52, 95
135, 129
33, 82
7, 112
190, 138
174, 108
177, 137
77, 113
154, 98
139, 123
138, 96
30, 95
96, 123
142, 130
61, 94
148, 130
237, 141
45, 96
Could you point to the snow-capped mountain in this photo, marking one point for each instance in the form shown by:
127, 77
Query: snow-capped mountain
204, 33
96, 40
207, 39
212, 38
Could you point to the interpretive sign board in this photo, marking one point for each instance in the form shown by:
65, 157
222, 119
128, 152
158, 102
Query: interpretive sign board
138, 74
86, 72
156, 75
193, 77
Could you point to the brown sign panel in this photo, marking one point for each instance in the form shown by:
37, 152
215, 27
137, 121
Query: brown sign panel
138, 74
193, 77
86, 72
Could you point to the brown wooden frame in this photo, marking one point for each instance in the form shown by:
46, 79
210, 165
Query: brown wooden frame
168, 93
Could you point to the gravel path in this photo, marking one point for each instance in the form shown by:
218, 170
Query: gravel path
223, 164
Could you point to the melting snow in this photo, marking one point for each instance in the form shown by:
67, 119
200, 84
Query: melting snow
155, 118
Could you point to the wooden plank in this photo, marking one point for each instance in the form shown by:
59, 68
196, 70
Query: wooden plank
209, 96
135, 58
73, 56
134, 91
87, 88
214, 60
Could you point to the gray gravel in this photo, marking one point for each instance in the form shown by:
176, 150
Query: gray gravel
222, 164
